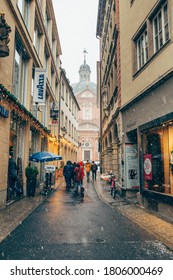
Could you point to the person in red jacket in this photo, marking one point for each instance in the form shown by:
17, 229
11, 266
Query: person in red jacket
83, 172
78, 175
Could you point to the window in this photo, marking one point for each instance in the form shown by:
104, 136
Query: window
152, 36
66, 100
131, 2
87, 111
87, 155
142, 49
157, 155
24, 6
20, 72
161, 28
46, 57
37, 38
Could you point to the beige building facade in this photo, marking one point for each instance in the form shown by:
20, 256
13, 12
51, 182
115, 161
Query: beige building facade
89, 115
146, 84
109, 88
144, 80
68, 121
28, 126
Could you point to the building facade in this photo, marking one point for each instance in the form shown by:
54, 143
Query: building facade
147, 96
27, 125
89, 115
109, 89
144, 80
69, 111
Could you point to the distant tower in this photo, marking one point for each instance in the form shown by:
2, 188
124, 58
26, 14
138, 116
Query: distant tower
84, 70
89, 116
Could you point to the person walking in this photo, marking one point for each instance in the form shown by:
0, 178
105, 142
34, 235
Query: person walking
78, 179
94, 168
12, 177
68, 174
83, 173
88, 169
73, 176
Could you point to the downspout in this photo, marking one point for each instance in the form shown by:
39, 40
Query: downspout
59, 118
100, 92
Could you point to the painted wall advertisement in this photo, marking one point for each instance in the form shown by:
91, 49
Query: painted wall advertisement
131, 166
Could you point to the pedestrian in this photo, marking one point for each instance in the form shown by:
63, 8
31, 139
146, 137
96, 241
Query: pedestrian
73, 177
12, 177
94, 168
78, 178
83, 173
68, 174
88, 169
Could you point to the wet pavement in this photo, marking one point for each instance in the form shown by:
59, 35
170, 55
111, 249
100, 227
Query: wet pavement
12, 215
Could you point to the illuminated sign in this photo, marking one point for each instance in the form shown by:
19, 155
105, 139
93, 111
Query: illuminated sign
4, 112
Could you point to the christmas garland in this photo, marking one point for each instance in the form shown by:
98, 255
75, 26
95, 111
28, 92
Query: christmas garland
11, 98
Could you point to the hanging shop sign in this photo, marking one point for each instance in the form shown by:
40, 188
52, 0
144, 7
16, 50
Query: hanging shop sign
148, 167
4, 112
40, 86
131, 166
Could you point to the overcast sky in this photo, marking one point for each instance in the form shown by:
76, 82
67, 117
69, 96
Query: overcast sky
76, 23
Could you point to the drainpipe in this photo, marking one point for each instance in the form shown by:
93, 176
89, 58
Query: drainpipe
100, 92
59, 117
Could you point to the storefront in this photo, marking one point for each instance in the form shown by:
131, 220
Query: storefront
148, 126
157, 157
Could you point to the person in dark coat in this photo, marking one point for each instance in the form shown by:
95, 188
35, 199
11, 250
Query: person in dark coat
68, 174
94, 170
73, 177
12, 176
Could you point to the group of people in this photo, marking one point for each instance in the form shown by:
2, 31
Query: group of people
91, 167
74, 174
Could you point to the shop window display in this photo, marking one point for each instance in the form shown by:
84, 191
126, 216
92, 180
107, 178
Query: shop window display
158, 159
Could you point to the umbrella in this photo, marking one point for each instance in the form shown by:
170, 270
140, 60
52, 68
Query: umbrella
44, 156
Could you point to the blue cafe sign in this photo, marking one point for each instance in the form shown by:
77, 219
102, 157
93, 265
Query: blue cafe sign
4, 112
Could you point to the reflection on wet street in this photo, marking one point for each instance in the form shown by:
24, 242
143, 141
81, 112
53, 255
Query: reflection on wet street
66, 226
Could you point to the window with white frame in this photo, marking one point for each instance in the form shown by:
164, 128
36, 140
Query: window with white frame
37, 38
161, 27
20, 72
62, 91
67, 95
87, 111
46, 57
24, 7
142, 49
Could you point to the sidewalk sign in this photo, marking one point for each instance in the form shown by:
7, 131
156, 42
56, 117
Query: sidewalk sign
49, 168
131, 166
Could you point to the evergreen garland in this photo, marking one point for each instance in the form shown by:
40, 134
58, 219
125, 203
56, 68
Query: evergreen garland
10, 97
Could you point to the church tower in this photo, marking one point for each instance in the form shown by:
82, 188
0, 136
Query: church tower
89, 115
84, 70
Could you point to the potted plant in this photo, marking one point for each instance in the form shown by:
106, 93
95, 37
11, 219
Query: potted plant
31, 173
